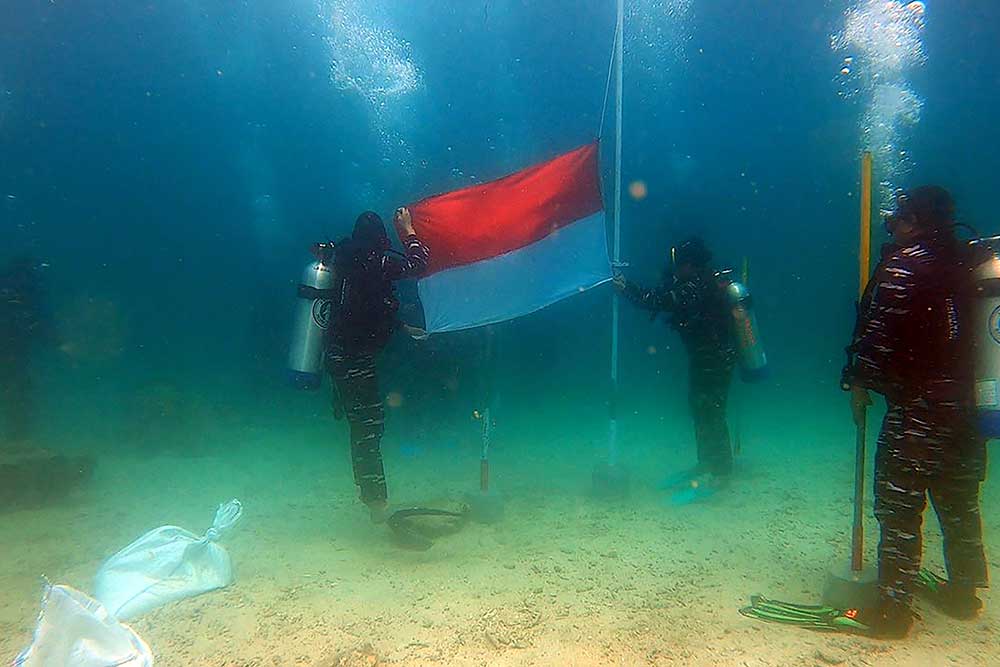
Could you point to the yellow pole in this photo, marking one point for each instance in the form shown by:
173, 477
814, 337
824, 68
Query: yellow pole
860, 406
865, 242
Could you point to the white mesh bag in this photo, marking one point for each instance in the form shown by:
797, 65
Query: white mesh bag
75, 630
165, 565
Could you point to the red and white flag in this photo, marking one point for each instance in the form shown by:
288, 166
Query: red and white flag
515, 245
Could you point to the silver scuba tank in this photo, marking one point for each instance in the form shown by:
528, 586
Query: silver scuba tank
753, 361
986, 320
312, 318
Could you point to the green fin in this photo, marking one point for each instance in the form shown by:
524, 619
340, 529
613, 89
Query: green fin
929, 582
816, 617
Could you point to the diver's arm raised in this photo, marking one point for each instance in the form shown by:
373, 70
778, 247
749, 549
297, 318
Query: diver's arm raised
655, 300
415, 256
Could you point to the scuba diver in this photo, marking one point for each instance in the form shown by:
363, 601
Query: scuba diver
696, 300
912, 344
21, 328
363, 318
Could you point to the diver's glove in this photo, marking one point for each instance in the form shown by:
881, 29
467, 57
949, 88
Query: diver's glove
848, 374
404, 223
861, 400
847, 377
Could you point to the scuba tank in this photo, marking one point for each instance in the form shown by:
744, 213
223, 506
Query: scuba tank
753, 361
312, 318
986, 320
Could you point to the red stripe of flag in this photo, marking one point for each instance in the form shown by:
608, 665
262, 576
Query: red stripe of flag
491, 219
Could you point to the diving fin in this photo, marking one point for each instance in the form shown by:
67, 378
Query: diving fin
696, 489
930, 583
411, 530
681, 479
814, 617
694, 493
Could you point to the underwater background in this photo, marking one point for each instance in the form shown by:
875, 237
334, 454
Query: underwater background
172, 162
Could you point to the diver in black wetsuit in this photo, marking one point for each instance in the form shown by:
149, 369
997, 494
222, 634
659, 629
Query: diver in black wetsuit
912, 344
22, 326
699, 312
364, 316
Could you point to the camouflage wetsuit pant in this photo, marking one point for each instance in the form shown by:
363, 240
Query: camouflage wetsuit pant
357, 392
708, 393
921, 453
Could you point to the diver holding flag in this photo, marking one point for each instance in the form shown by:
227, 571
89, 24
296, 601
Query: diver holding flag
712, 314
349, 313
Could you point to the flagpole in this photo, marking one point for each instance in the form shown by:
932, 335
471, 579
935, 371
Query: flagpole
616, 252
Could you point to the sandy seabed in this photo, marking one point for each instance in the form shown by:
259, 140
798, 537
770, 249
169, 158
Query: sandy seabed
564, 579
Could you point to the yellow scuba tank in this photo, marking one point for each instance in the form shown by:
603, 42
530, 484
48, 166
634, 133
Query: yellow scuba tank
753, 360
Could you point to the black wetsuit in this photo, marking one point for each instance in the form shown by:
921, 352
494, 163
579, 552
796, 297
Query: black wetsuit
699, 314
912, 345
355, 340
20, 330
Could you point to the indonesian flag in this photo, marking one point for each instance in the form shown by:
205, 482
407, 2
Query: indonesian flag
515, 245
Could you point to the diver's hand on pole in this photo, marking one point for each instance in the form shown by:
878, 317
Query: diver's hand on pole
619, 282
416, 333
860, 402
404, 222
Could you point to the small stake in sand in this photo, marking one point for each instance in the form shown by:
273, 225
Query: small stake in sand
486, 507
855, 586
484, 456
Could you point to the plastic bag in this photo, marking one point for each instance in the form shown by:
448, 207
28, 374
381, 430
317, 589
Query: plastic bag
165, 565
75, 630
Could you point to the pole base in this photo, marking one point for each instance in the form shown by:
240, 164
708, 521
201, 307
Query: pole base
848, 589
610, 481
485, 507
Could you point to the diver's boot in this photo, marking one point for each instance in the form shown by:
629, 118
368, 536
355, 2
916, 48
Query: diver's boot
887, 620
378, 510
957, 601
952, 599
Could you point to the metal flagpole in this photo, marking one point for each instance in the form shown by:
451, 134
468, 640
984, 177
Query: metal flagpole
610, 479
616, 252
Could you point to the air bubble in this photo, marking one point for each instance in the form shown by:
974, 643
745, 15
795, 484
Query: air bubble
371, 61
886, 39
